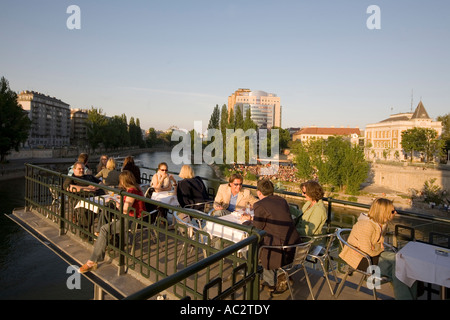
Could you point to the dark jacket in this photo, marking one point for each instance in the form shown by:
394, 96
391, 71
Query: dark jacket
190, 191
135, 170
272, 215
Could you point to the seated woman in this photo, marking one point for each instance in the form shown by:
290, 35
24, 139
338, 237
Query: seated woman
313, 213
128, 164
191, 189
131, 206
368, 236
109, 174
162, 181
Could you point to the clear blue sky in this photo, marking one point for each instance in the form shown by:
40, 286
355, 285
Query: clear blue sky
170, 62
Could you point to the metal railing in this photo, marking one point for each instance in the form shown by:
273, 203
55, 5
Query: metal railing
151, 248
155, 249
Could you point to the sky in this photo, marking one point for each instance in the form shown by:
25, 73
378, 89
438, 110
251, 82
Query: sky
169, 63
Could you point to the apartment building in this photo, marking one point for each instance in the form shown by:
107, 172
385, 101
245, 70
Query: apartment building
50, 119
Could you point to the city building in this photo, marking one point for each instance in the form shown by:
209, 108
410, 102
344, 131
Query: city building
50, 119
308, 133
383, 140
78, 127
265, 107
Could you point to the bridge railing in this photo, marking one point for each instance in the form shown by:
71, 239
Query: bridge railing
195, 267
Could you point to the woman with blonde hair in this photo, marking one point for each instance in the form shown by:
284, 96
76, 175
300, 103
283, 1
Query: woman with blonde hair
109, 175
131, 206
191, 189
368, 236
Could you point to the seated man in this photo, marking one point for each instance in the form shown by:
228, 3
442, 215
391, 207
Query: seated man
77, 186
231, 196
273, 216
84, 158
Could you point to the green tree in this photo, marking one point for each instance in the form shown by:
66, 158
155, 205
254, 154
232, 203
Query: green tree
248, 122
445, 136
152, 138
14, 122
214, 121
239, 119
422, 140
334, 161
96, 122
223, 119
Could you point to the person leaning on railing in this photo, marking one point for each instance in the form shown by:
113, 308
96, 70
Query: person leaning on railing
131, 206
368, 236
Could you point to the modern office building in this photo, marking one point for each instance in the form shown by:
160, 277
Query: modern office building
265, 107
50, 119
383, 140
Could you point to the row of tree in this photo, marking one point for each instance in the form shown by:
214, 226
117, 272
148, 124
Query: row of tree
112, 132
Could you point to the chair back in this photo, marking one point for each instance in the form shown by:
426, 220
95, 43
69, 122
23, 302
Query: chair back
301, 252
342, 235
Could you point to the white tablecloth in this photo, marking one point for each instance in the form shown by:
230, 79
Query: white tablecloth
93, 203
419, 261
221, 231
168, 197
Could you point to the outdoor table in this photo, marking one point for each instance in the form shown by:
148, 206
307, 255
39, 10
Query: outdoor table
168, 197
423, 262
225, 232
93, 203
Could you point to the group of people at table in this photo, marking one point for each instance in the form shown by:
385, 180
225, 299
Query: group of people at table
284, 224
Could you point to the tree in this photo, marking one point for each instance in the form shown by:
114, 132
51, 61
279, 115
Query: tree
248, 122
239, 119
334, 161
224, 119
96, 122
14, 122
445, 136
214, 121
152, 138
422, 140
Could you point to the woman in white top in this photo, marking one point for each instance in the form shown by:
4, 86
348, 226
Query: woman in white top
162, 181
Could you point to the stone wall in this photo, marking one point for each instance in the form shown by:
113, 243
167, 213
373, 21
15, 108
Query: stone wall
402, 178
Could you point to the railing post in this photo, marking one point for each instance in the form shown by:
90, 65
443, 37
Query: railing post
330, 200
62, 217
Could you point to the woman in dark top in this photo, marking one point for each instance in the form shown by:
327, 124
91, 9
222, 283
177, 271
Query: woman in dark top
128, 164
191, 189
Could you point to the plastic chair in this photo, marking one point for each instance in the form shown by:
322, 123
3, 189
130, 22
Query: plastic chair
342, 235
297, 264
321, 253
